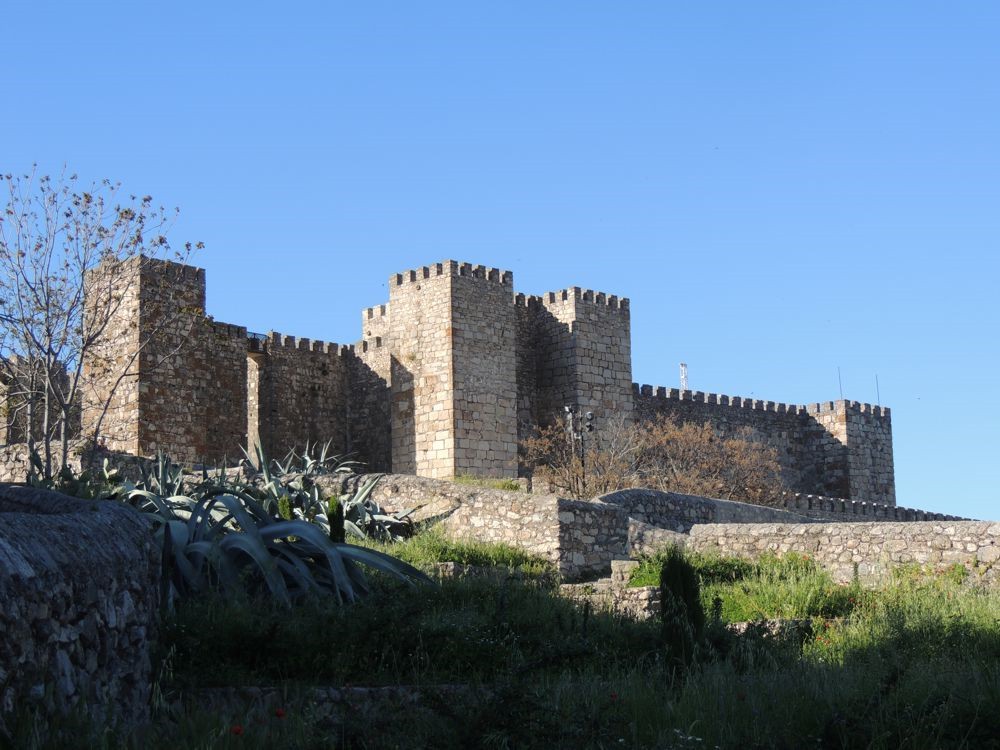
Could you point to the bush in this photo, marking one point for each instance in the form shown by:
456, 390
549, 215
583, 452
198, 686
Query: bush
681, 611
661, 454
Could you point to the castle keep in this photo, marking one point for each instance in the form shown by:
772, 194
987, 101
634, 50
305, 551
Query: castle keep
449, 373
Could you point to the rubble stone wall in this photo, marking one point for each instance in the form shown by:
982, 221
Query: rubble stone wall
78, 605
677, 512
302, 392
869, 550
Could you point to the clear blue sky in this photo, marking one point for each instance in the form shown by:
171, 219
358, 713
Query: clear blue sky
781, 188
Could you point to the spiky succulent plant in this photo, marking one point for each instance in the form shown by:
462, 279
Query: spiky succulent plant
229, 540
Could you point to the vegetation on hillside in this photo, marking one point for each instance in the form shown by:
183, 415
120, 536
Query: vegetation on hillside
912, 664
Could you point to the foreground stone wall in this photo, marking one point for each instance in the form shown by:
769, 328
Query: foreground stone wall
78, 604
869, 549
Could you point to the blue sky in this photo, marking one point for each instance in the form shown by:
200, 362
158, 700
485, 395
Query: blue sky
782, 188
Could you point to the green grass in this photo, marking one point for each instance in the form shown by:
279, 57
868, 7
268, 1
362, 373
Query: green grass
462, 630
788, 587
431, 546
490, 483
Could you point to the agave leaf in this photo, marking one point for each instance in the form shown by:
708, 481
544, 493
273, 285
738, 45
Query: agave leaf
363, 492
353, 528
189, 570
150, 499
383, 562
253, 547
213, 553
310, 536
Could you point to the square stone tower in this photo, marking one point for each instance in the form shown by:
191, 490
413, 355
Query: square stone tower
172, 378
452, 336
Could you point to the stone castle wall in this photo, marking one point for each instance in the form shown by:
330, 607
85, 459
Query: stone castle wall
835, 448
298, 391
447, 376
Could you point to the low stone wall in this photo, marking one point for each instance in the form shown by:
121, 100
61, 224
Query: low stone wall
839, 509
870, 549
591, 535
78, 604
580, 537
677, 512
530, 522
15, 464
646, 539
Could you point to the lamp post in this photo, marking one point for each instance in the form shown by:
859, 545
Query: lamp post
578, 425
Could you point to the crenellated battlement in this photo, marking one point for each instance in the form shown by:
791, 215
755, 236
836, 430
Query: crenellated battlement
528, 300
227, 330
600, 299
453, 268
822, 506
372, 313
823, 407
275, 342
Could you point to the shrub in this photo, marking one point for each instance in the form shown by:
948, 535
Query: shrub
682, 614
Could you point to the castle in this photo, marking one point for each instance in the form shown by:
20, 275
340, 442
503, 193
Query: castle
448, 375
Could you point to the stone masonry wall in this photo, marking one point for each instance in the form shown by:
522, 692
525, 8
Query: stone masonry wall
869, 442
370, 399
483, 341
116, 410
579, 537
369, 408
677, 512
423, 411
78, 605
602, 342
870, 549
839, 509
452, 329
302, 392
834, 448
188, 395
591, 535
168, 417
528, 521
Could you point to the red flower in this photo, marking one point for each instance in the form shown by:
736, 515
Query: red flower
280, 713
614, 697
236, 730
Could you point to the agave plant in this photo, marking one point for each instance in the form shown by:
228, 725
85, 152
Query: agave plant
104, 483
363, 517
229, 540
290, 486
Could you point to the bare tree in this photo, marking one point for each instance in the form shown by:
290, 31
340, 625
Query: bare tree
55, 310
661, 454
